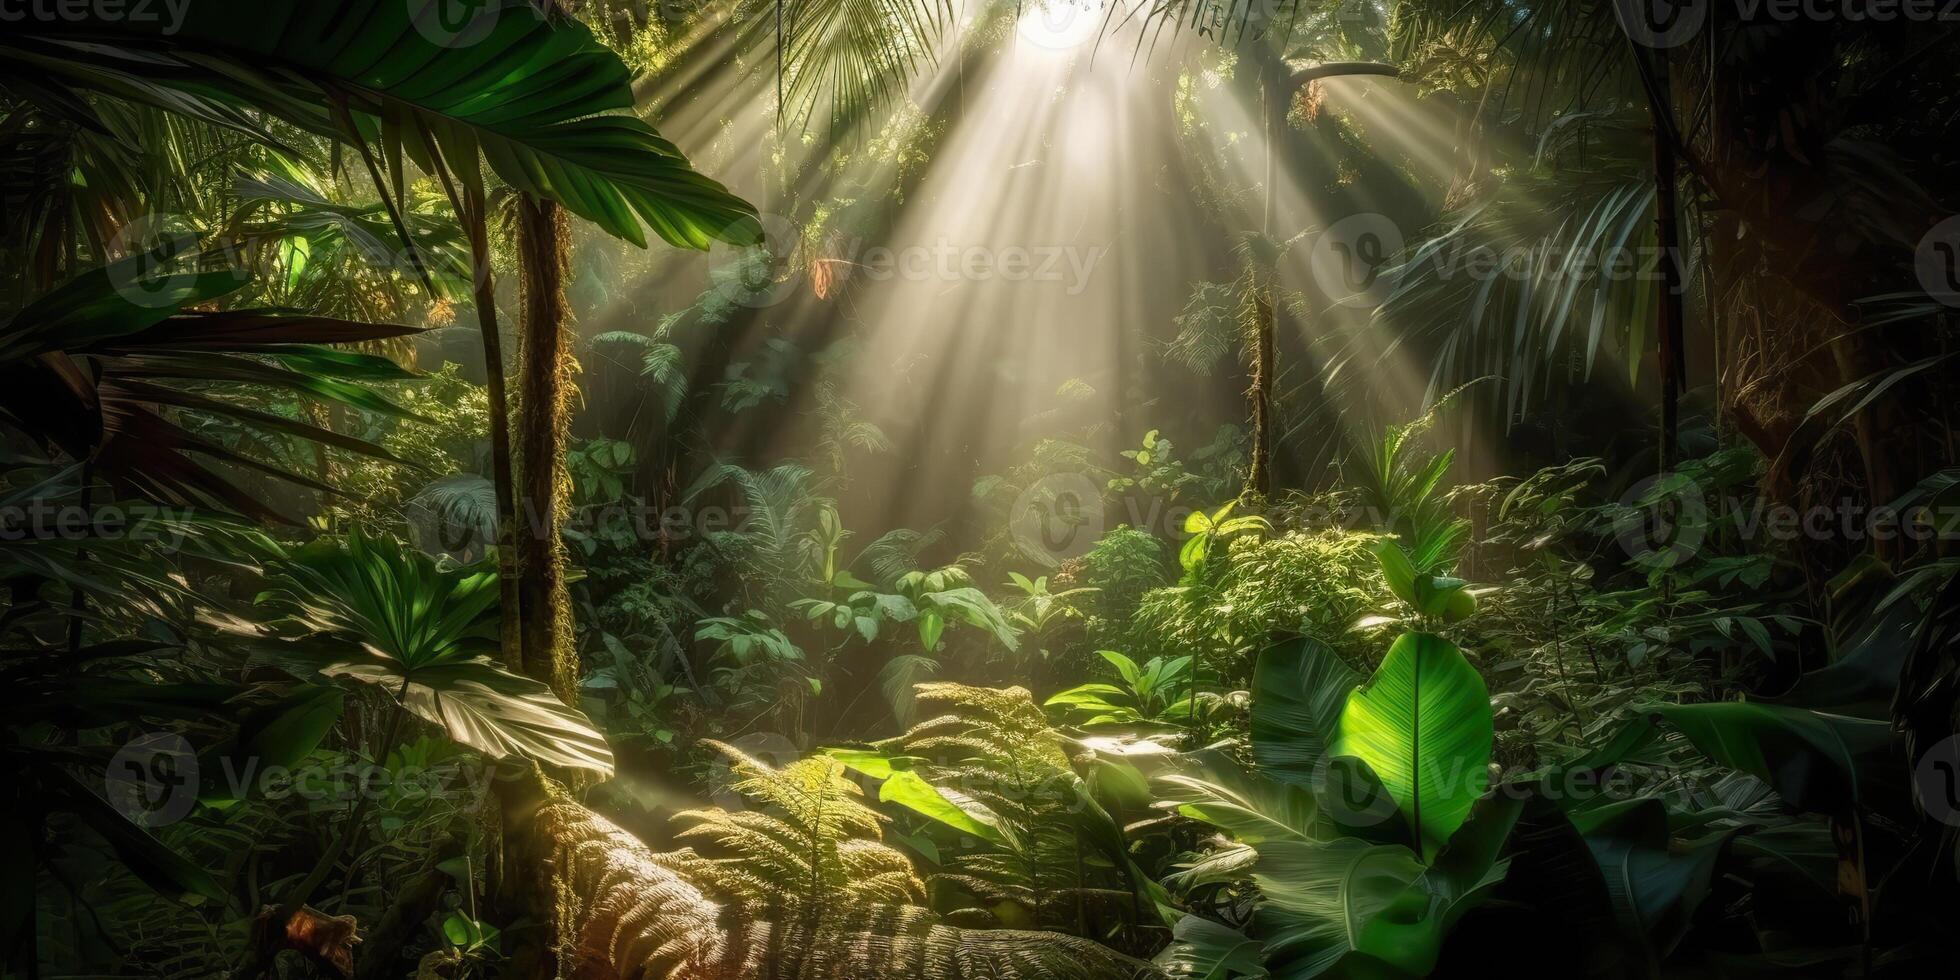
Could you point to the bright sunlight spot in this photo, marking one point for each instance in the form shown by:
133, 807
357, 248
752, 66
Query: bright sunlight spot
1061, 25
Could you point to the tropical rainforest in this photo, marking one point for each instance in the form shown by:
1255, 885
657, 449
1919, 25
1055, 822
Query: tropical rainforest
978, 489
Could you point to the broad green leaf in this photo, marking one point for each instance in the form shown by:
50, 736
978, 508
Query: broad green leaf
1089, 695
946, 806
1192, 552
1396, 571
931, 626
1299, 689
1119, 784
90, 308
492, 710
1816, 761
1443, 597
1205, 950
1125, 666
546, 104
1345, 904
870, 762
1249, 806
281, 734
1423, 724
385, 614
1655, 883
1458, 606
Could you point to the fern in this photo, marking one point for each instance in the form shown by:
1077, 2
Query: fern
659, 360
1051, 855
774, 535
813, 835
464, 508
621, 910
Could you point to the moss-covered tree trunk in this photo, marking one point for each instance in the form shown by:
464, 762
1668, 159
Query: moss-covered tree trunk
1259, 475
1274, 99
545, 385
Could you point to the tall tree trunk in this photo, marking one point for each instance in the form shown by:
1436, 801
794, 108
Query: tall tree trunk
1667, 235
1274, 98
1259, 475
512, 616
545, 367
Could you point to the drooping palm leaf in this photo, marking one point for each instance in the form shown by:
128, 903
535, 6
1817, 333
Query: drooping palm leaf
540, 98
102, 366
852, 56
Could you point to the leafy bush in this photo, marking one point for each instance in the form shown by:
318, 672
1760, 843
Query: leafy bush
1158, 473
1124, 565
1315, 583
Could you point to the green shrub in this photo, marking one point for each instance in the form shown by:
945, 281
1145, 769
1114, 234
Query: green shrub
1316, 583
1124, 565
1312, 583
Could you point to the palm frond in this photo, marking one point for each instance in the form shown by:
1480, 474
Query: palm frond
850, 57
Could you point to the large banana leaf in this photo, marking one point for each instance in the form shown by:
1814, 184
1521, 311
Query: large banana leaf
1423, 724
1207, 950
1247, 805
540, 97
1299, 689
1816, 761
1369, 910
1321, 903
1655, 883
